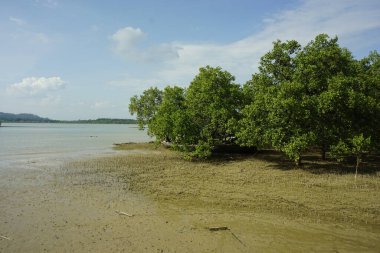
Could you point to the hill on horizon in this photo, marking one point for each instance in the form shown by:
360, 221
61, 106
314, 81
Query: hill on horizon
32, 118
22, 117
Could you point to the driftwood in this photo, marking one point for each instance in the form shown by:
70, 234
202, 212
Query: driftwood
123, 213
213, 229
218, 228
237, 238
4, 237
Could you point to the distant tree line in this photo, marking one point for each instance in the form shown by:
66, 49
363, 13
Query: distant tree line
31, 118
100, 121
23, 117
317, 96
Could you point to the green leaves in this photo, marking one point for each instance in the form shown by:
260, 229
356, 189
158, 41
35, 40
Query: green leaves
279, 64
212, 101
164, 123
197, 117
296, 145
355, 146
317, 96
310, 97
145, 106
360, 144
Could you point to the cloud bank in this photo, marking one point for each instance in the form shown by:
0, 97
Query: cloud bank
350, 20
127, 43
31, 86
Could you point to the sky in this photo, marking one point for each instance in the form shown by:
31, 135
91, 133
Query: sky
84, 59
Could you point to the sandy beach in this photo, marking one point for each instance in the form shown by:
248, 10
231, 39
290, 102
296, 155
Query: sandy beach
86, 206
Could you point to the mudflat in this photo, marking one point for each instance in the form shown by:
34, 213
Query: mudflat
152, 200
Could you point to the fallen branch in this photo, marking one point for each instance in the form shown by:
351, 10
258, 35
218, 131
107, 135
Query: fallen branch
213, 229
237, 238
218, 228
123, 213
4, 237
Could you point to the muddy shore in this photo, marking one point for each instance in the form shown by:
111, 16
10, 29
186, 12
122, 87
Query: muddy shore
79, 206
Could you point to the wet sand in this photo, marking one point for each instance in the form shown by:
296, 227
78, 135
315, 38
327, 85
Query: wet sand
51, 207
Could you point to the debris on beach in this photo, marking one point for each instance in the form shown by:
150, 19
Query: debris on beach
124, 213
217, 228
213, 229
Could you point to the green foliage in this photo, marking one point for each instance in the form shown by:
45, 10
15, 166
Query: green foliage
365, 99
355, 146
360, 144
279, 64
212, 101
202, 150
252, 127
356, 99
310, 97
301, 98
320, 60
145, 106
278, 114
164, 123
296, 145
321, 63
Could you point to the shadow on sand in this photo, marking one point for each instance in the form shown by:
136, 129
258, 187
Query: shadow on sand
311, 162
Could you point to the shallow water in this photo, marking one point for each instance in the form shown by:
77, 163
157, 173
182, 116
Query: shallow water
23, 144
48, 204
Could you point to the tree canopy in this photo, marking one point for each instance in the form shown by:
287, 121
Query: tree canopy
145, 106
317, 96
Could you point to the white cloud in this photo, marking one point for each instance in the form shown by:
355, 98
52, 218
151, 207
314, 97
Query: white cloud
126, 39
31, 86
127, 43
344, 18
349, 19
17, 21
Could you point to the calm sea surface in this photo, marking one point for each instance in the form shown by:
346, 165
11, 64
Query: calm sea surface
24, 144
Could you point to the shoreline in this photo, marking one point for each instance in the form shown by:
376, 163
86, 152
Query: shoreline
72, 208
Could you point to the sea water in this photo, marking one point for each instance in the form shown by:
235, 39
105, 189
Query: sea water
23, 144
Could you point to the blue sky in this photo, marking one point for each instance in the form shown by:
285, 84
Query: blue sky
72, 59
